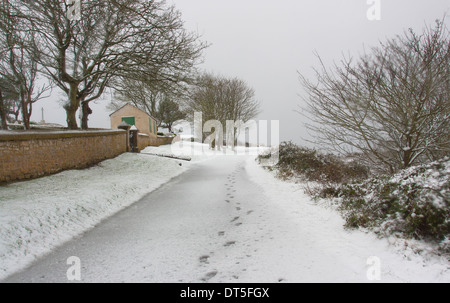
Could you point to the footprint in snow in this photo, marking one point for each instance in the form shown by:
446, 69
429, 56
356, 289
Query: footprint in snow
229, 243
235, 218
209, 275
204, 259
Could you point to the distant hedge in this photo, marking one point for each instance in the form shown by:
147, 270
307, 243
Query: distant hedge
314, 166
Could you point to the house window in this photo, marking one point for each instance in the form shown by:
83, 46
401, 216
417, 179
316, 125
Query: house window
129, 120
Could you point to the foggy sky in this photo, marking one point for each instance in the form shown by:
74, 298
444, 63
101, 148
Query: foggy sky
266, 43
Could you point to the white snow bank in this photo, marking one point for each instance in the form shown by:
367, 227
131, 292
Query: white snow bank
38, 215
201, 152
332, 253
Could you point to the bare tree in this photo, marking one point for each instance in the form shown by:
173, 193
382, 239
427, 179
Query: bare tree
112, 39
18, 64
142, 94
169, 112
3, 116
392, 105
3, 106
222, 99
9, 102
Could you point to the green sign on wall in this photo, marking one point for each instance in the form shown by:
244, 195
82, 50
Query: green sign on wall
129, 120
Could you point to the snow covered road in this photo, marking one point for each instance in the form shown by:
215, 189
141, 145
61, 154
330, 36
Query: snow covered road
228, 220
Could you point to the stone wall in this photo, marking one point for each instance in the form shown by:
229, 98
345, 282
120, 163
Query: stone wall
144, 140
166, 140
25, 155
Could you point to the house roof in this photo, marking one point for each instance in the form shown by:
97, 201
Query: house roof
128, 104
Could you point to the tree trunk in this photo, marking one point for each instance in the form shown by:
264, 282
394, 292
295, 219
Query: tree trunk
72, 107
25, 114
29, 111
71, 117
85, 112
26, 119
16, 115
4, 124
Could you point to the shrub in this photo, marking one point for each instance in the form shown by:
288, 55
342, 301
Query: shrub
413, 203
314, 166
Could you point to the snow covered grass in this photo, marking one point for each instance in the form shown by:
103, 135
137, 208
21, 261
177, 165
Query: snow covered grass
412, 204
202, 152
195, 151
331, 252
37, 216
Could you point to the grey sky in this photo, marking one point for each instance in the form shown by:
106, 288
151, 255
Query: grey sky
265, 43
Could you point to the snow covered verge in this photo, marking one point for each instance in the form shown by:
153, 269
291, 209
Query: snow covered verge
38, 215
324, 232
412, 204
